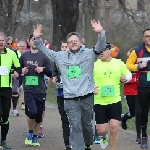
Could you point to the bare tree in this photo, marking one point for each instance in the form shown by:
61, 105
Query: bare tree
8, 9
88, 11
65, 17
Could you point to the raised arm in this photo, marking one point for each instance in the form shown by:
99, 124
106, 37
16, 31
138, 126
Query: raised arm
37, 32
101, 43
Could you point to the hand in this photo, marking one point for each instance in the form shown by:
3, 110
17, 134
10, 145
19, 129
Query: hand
15, 75
96, 26
37, 31
123, 78
143, 64
96, 90
54, 79
25, 70
39, 69
47, 79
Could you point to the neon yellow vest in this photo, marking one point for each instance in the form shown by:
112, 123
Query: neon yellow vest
6, 60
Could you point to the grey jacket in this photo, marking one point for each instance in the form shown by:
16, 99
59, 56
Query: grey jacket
84, 58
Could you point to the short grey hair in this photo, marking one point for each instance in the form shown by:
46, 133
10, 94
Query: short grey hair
9, 38
3, 34
22, 41
73, 33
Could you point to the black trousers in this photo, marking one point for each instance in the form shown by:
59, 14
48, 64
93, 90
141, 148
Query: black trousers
134, 110
144, 99
64, 119
5, 104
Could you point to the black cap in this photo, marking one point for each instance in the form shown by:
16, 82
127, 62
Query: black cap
30, 36
108, 46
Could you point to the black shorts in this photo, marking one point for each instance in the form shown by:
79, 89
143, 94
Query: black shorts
34, 105
104, 113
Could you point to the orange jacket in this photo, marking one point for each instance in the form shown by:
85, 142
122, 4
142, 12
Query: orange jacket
114, 52
14, 45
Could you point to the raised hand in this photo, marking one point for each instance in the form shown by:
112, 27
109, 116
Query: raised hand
96, 26
37, 31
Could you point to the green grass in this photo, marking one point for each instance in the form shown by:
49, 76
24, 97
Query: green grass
51, 97
130, 122
51, 93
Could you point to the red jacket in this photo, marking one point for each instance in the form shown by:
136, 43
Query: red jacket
131, 87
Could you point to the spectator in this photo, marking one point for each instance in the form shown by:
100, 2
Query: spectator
114, 51
15, 44
48, 45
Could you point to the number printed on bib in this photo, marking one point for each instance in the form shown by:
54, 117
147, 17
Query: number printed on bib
3, 70
31, 80
108, 90
74, 72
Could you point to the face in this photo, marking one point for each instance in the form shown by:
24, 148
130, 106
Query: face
104, 54
22, 47
146, 38
64, 47
45, 41
31, 43
112, 45
2, 42
83, 41
74, 43
9, 44
16, 40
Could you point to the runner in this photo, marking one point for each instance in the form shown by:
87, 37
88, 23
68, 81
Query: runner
34, 65
76, 68
17, 83
7, 58
130, 93
60, 99
107, 100
139, 61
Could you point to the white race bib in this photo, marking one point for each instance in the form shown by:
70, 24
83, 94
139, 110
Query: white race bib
3, 70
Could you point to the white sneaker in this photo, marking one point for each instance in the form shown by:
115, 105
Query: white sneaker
22, 106
104, 141
15, 112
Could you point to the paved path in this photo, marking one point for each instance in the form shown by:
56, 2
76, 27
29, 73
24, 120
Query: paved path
53, 134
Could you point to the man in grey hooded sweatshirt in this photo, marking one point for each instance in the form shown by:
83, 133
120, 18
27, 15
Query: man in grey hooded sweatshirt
76, 68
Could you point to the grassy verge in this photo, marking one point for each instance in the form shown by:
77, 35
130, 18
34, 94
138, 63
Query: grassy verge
51, 93
51, 97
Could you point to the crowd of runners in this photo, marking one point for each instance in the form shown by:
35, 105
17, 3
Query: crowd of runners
87, 83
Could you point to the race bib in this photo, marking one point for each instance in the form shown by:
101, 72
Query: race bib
108, 90
148, 76
31, 80
3, 70
74, 72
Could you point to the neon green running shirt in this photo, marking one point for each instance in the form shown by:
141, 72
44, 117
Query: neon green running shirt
107, 79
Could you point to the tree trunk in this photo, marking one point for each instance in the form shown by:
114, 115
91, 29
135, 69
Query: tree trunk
90, 37
8, 21
65, 17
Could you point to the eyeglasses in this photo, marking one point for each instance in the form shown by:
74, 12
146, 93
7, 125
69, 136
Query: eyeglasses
147, 36
9, 43
73, 41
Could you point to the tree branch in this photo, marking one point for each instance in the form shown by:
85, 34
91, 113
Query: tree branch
17, 14
128, 12
2, 11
